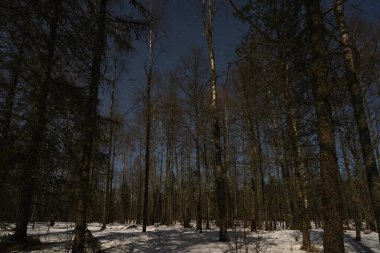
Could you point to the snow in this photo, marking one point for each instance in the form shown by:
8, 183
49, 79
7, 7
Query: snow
119, 238
370, 241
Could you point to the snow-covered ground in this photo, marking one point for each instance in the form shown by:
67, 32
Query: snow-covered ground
119, 238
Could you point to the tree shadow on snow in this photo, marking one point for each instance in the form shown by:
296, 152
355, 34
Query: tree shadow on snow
173, 240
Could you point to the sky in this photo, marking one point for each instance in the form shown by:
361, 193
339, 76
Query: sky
183, 29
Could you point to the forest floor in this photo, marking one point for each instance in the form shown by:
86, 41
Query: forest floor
119, 238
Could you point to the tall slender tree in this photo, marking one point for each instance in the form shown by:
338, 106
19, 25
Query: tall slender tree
299, 167
111, 152
208, 13
193, 75
356, 93
331, 195
149, 75
37, 123
83, 172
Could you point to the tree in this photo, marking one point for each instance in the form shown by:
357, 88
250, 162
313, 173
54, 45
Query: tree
37, 122
120, 28
83, 171
192, 78
149, 73
111, 151
208, 12
299, 167
278, 39
331, 196
355, 89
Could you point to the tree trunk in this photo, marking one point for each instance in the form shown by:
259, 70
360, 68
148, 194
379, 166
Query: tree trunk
109, 207
199, 189
30, 170
298, 164
82, 190
287, 210
148, 109
110, 164
206, 186
355, 88
331, 195
356, 203
358, 228
220, 171
263, 209
139, 193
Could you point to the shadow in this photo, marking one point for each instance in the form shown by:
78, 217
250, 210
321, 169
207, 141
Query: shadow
246, 241
357, 245
62, 245
316, 236
185, 240
121, 238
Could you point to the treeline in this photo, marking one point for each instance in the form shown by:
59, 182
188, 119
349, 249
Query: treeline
296, 140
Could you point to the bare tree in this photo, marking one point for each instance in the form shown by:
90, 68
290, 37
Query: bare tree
111, 151
149, 73
208, 12
355, 88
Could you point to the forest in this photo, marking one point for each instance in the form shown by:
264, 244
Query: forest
279, 151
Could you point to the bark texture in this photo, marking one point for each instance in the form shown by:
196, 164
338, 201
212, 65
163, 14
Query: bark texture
331, 195
359, 113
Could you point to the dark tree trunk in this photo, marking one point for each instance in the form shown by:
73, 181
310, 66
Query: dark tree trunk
107, 194
298, 167
30, 170
331, 195
358, 228
148, 125
140, 184
198, 164
220, 171
206, 186
82, 190
356, 203
199, 190
253, 225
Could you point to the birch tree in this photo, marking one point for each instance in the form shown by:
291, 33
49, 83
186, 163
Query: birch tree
356, 93
208, 13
